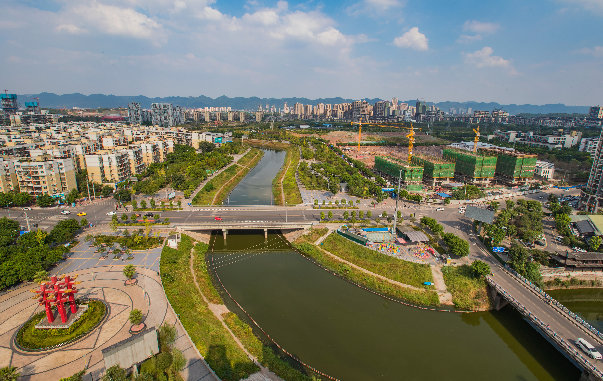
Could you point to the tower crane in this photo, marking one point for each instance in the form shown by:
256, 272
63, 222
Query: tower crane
411, 134
476, 139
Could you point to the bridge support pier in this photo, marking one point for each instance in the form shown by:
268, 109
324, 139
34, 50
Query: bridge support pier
265, 233
224, 232
497, 300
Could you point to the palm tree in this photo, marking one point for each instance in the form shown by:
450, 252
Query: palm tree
129, 271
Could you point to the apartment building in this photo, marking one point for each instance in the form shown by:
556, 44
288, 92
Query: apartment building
589, 145
109, 167
592, 195
544, 169
134, 113
53, 177
8, 178
596, 112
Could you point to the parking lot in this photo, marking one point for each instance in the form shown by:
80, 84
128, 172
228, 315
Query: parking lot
85, 256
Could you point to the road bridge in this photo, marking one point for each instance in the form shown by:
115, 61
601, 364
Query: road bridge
226, 226
556, 323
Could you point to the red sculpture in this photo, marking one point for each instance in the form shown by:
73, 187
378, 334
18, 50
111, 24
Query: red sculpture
58, 293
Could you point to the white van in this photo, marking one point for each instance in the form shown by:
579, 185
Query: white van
588, 348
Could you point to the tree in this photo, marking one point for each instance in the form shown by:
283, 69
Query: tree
79, 376
480, 269
143, 204
45, 201
152, 202
134, 205
41, 276
330, 215
122, 195
164, 361
129, 271
384, 214
124, 217
494, 205
64, 231
369, 214
595, 242
322, 216
135, 317
133, 217
353, 214
83, 222
72, 196
361, 215
114, 223
458, 246
115, 373
167, 336
178, 360
345, 215
9, 373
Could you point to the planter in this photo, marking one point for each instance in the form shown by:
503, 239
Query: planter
137, 328
131, 282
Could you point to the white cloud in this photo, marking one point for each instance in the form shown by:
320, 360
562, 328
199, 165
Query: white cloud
467, 38
595, 51
70, 28
376, 8
484, 58
383, 5
263, 17
479, 27
412, 39
110, 19
591, 5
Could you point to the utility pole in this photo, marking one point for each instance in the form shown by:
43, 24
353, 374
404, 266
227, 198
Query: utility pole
93, 191
397, 198
88, 186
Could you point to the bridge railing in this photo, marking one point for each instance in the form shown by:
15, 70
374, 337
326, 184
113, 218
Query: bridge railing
564, 344
549, 299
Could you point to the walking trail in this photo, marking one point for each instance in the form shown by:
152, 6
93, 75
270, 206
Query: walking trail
243, 167
281, 182
444, 296
219, 310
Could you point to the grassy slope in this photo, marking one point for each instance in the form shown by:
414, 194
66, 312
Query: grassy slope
427, 297
312, 235
393, 268
205, 197
468, 293
209, 336
290, 188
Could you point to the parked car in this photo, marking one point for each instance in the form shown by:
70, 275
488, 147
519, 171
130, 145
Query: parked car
27, 208
149, 214
81, 214
588, 348
65, 212
439, 209
218, 218
111, 213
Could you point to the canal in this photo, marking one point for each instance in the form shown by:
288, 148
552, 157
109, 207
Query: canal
256, 187
587, 302
352, 334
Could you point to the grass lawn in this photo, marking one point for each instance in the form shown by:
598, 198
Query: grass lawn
290, 188
426, 298
312, 235
31, 338
211, 339
262, 352
207, 194
468, 293
396, 269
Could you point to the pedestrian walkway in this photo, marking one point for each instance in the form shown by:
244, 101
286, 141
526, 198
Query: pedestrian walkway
440, 285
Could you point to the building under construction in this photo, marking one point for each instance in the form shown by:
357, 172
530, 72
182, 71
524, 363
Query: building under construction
410, 175
435, 169
472, 167
513, 167
9, 103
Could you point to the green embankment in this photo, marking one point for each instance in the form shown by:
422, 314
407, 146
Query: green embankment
468, 292
286, 176
212, 340
265, 355
410, 273
216, 189
312, 235
426, 298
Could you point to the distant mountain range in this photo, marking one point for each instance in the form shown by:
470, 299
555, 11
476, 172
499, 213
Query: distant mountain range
51, 100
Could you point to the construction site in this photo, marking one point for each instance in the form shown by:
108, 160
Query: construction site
472, 167
512, 167
410, 175
436, 170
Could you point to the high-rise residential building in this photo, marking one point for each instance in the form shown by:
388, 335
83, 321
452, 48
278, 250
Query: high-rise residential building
53, 177
8, 178
9, 103
589, 145
108, 167
134, 113
592, 194
166, 115
596, 112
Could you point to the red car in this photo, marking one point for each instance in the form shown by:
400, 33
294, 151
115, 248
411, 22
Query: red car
218, 218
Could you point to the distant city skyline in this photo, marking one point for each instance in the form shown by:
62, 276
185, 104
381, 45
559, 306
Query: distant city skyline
543, 51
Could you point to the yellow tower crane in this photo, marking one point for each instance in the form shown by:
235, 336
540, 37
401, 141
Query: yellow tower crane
476, 139
359, 136
410, 135
411, 142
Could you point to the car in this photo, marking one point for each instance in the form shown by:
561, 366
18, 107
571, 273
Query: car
588, 348
439, 209
218, 218
65, 212
111, 213
149, 214
81, 214
27, 208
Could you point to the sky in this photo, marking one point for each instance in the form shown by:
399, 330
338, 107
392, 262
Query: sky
506, 51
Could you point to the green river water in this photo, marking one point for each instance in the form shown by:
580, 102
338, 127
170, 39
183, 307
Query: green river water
352, 334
